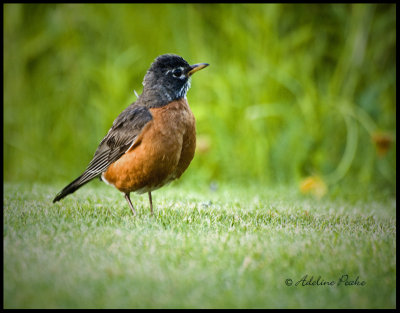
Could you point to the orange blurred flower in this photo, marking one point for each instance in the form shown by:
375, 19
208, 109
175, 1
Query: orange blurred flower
382, 142
313, 185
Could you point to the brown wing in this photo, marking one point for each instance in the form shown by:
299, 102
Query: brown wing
123, 133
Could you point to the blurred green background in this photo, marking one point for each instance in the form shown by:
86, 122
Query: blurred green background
295, 94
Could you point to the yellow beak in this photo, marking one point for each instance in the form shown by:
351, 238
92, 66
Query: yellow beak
197, 67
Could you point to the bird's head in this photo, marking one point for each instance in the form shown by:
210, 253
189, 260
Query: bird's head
169, 76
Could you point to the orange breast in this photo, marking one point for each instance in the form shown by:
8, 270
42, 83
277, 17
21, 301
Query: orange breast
162, 152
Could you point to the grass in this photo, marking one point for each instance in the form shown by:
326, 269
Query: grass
226, 247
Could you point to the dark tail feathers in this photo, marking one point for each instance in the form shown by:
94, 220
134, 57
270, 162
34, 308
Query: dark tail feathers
72, 187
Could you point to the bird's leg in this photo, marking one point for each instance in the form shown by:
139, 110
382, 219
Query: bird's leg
130, 203
151, 203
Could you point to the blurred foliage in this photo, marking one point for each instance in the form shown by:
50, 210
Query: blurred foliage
293, 90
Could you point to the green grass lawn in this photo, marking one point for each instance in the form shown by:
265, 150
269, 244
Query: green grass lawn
234, 247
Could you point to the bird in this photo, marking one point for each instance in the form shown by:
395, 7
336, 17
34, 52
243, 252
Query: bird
153, 140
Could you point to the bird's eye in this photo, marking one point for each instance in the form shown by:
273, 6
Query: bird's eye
177, 72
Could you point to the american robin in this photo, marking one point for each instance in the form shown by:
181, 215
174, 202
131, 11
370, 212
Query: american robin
152, 141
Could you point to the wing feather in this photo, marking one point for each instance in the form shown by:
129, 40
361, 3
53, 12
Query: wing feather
121, 136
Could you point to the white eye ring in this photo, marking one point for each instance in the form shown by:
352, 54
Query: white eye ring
177, 72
